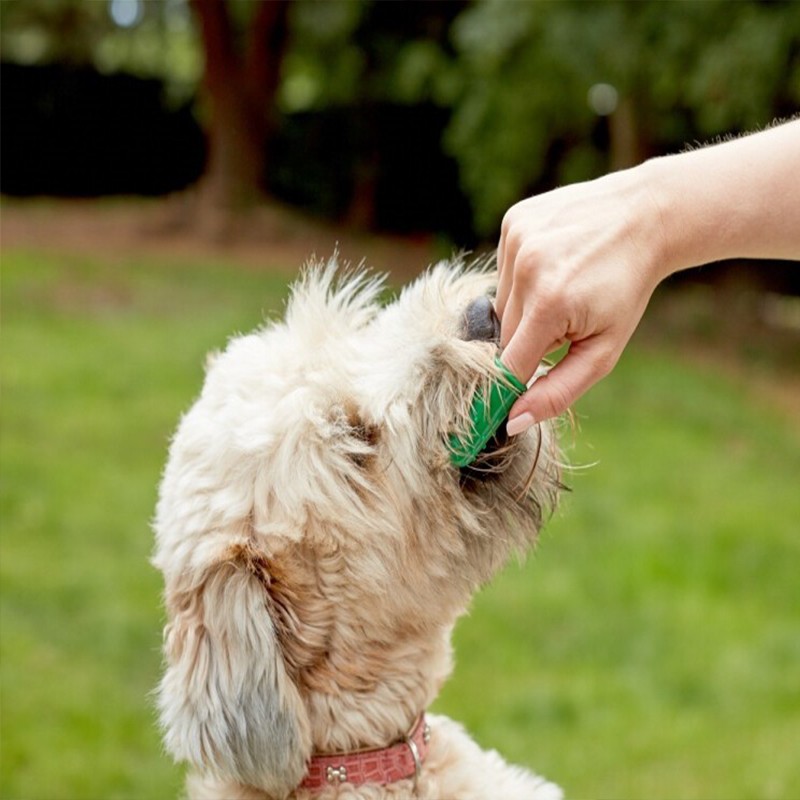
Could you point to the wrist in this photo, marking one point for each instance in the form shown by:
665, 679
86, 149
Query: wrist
650, 222
688, 232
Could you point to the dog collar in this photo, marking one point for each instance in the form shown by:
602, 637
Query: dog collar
383, 765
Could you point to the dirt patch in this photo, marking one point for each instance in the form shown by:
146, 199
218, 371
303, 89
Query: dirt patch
270, 237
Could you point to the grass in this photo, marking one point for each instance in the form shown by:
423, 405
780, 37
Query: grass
651, 648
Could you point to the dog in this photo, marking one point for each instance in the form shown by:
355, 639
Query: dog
317, 545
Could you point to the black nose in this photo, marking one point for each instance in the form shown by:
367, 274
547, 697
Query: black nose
481, 323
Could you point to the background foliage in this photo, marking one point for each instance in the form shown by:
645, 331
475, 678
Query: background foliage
681, 71
517, 84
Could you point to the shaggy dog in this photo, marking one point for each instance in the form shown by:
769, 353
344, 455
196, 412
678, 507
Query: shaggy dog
318, 545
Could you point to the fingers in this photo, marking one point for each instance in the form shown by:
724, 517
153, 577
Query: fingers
507, 253
586, 363
501, 253
528, 343
510, 320
504, 285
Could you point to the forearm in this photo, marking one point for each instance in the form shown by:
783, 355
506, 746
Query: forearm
737, 199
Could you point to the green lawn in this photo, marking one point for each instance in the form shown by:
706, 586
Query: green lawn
651, 648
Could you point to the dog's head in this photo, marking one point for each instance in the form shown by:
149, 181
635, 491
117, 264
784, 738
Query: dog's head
315, 474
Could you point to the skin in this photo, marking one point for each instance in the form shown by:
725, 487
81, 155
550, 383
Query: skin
579, 264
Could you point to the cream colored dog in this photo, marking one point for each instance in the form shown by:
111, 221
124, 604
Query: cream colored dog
318, 545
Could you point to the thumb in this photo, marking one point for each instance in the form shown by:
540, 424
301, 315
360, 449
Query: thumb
586, 362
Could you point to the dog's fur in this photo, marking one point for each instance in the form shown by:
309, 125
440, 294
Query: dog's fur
317, 545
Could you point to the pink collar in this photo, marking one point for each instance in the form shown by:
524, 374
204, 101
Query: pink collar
383, 765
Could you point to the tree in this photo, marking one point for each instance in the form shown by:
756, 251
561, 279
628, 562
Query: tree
240, 86
369, 59
240, 44
680, 71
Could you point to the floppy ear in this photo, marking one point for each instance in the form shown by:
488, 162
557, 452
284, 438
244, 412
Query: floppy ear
227, 703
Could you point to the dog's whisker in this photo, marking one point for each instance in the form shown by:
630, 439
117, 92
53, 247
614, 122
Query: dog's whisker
532, 473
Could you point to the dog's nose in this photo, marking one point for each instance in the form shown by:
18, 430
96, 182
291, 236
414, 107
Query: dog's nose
481, 322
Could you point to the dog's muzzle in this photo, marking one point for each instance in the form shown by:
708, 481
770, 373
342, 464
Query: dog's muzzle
490, 408
481, 323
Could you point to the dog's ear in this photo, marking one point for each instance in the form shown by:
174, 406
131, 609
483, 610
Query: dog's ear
227, 703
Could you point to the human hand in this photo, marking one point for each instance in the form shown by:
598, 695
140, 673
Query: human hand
576, 265
580, 263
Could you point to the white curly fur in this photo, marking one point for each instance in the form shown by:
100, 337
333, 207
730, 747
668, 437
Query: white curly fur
317, 545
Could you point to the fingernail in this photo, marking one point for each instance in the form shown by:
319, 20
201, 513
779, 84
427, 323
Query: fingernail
519, 424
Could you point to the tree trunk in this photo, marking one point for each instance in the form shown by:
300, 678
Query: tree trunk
240, 90
625, 144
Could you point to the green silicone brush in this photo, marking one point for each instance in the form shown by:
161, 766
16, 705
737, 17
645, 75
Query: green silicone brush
486, 416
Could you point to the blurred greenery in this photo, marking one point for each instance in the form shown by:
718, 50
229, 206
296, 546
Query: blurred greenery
680, 71
159, 41
538, 92
650, 648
